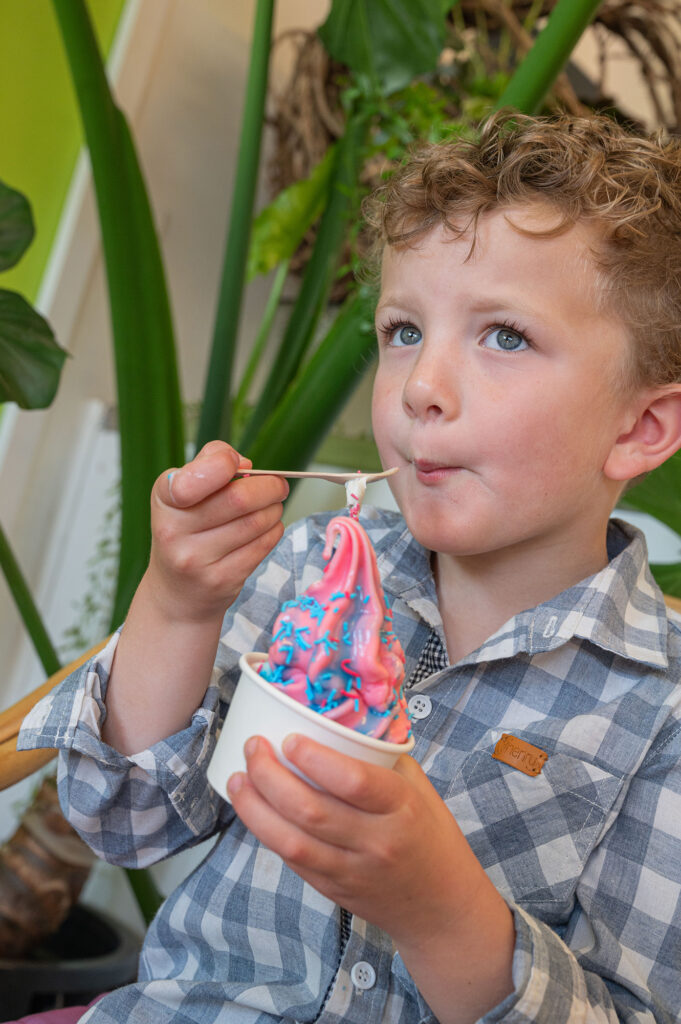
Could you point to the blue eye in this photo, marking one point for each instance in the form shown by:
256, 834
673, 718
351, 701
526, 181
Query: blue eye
505, 339
405, 334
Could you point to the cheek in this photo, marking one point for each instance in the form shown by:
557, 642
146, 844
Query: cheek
559, 443
385, 402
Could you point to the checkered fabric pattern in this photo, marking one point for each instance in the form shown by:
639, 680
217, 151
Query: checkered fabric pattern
433, 658
587, 853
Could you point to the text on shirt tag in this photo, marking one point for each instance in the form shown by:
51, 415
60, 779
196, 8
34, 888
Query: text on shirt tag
520, 754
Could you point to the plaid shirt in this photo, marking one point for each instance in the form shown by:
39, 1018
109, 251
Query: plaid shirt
587, 853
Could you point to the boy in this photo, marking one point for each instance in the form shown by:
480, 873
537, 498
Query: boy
529, 367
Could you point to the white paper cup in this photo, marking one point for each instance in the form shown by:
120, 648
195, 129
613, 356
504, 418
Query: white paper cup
258, 708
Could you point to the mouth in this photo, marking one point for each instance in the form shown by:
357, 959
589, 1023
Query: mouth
428, 472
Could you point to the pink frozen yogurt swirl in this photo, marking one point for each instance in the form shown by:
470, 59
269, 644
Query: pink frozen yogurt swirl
334, 648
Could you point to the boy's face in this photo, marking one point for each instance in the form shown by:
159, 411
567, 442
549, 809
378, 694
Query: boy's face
494, 390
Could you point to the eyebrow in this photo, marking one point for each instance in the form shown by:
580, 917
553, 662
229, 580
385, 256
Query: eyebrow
513, 306
492, 305
389, 300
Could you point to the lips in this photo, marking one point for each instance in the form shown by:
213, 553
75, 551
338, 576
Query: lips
424, 466
428, 472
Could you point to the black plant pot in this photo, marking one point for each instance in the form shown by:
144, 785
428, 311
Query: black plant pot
89, 954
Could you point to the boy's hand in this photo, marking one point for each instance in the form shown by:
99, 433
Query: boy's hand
379, 842
383, 844
210, 531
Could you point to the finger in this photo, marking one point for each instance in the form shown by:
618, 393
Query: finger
241, 499
216, 447
229, 546
209, 471
315, 812
239, 564
365, 786
305, 854
244, 508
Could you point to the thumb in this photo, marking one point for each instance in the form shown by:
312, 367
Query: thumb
208, 472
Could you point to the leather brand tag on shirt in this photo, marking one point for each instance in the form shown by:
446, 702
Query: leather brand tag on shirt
520, 754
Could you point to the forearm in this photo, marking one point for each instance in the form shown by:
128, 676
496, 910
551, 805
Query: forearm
463, 967
160, 672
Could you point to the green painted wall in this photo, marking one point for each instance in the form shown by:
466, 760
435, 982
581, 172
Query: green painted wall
40, 131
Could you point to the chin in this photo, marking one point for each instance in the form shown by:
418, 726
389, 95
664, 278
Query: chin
445, 532
431, 534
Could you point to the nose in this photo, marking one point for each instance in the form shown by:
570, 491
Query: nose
431, 389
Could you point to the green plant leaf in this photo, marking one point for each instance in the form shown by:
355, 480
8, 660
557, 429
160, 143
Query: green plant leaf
26, 607
298, 424
388, 41
216, 408
279, 229
317, 279
30, 358
149, 405
668, 577
659, 494
16, 226
541, 66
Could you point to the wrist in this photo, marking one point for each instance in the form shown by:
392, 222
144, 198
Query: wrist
463, 950
177, 605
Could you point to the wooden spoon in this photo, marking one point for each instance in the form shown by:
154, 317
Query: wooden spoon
334, 478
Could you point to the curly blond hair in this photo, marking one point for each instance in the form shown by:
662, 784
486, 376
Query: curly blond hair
587, 169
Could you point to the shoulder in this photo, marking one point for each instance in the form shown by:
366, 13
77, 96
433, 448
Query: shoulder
673, 617
663, 688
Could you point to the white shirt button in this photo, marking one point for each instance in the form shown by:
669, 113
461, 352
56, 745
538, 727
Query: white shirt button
363, 975
420, 705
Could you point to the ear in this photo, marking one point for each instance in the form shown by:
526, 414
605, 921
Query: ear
654, 435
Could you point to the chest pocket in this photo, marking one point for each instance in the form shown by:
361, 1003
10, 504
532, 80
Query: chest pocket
533, 834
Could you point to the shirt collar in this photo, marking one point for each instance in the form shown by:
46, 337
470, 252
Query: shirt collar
620, 609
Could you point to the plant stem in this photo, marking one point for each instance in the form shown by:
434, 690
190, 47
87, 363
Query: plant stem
216, 415
541, 66
532, 15
317, 279
148, 896
260, 339
289, 439
27, 607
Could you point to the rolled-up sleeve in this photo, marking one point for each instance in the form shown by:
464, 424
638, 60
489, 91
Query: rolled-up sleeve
129, 809
136, 809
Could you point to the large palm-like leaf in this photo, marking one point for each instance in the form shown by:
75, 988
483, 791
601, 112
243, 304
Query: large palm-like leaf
150, 412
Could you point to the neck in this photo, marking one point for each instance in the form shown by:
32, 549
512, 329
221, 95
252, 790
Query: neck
477, 594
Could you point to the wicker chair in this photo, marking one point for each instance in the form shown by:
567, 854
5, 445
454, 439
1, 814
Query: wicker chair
16, 765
